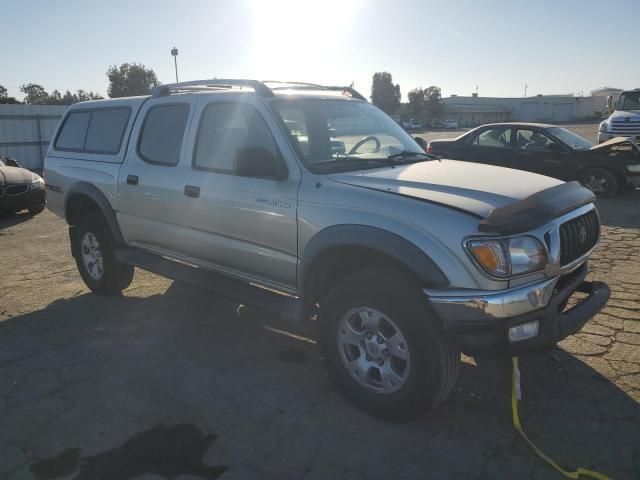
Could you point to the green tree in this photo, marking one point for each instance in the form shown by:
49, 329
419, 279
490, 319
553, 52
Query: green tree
34, 94
56, 98
417, 104
384, 94
4, 96
131, 79
433, 102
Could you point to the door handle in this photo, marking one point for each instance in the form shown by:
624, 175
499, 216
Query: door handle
192, 191
132, 179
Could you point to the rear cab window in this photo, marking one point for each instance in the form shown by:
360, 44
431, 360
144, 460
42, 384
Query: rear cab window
96, 131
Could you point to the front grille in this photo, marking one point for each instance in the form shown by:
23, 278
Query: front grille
13, 190
578, 236
625, 128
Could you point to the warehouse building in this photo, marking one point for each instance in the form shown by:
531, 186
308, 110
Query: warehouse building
475, 110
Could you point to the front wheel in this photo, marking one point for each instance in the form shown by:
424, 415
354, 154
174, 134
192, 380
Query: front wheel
94, 250
384, 348
601, 182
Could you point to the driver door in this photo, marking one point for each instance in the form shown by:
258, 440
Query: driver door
492, 146
537, 152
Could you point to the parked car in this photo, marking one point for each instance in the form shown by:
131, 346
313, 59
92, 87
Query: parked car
403, 259
624, 120
415, 124
20, 188
450, 124
548, 150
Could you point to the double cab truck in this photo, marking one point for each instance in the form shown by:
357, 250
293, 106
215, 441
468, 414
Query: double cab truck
402, 258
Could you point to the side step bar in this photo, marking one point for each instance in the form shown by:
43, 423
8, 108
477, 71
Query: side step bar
288, 307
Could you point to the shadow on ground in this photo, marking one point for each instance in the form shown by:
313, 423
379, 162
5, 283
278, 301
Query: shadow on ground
92, 384
621, 211
10, 219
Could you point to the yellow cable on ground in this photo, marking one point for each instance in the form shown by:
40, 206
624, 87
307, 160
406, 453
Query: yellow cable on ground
515, 396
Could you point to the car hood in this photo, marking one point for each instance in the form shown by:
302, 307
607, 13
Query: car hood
614, 142
13, 175
475, 188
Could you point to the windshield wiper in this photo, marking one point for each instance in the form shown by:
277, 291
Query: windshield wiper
408, 153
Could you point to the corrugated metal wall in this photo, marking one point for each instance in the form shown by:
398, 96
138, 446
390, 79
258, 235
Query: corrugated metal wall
25, 131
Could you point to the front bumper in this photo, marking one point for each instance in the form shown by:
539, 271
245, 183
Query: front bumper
31, 198
480, 321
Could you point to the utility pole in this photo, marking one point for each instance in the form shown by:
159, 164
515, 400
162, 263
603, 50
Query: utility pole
525, 89
174, 54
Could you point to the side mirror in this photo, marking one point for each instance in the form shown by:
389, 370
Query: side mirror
422, 142
258, 162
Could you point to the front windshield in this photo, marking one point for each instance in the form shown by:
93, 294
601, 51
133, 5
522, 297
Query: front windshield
629, 101
570, 139
353, 135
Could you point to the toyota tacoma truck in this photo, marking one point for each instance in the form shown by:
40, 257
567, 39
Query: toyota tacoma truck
402, 258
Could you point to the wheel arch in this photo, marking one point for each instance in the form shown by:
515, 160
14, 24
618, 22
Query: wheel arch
342, 249
84, 198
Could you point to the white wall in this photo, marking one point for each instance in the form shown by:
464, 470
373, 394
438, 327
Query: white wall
25, 131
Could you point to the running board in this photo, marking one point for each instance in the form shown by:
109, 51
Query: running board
288, 307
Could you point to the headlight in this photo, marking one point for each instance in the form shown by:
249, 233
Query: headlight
633, 168
604, 127
505, 257
37, 184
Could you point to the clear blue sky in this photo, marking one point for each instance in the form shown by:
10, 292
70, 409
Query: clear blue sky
499, 45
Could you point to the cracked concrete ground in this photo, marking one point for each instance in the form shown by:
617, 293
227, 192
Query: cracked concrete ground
88, 382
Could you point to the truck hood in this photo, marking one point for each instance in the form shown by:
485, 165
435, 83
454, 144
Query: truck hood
475, 188
15, 175
635, 114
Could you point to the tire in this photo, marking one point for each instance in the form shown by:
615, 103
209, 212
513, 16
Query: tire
93, 241
36, 209
600, 181
422, 381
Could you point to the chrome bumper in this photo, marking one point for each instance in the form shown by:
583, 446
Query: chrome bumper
484, 306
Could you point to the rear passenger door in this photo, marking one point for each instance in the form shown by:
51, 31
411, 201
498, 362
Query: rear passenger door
245, 225
151, 205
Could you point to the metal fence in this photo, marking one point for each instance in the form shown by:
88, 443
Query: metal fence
25, 132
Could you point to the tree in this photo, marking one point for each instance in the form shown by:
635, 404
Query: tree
34, 94
384, 94
131, 79
4, 96
417, 104
433, 102
56, 98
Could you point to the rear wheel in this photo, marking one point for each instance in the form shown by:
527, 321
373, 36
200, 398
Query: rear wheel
95, 258
384, 348
601, 182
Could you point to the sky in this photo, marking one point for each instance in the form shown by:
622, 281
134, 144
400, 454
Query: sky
498, 46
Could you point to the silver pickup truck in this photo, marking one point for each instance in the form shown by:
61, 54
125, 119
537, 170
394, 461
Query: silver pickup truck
403, 259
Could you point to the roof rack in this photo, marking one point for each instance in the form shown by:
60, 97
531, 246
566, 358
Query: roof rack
215, 84
259, 87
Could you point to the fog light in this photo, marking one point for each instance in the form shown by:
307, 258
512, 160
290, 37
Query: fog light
524, 331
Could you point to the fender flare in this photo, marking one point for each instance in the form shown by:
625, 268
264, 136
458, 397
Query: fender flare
94, 193
373, 238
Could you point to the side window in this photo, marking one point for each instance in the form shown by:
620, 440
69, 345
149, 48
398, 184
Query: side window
106, 130
296, 123
74, 131
162, 133
532, 140
227, 132
494, 137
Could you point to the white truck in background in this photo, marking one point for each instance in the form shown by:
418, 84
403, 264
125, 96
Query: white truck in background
624, 120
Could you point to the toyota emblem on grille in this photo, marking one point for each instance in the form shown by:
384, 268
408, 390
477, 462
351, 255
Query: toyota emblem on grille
582, 234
